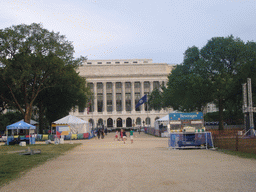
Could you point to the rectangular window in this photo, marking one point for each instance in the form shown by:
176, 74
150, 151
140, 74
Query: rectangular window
135, 62
118, 102
146, 85
99, 85
127, 96
108, 62
89, 63
137, 85
156, 85
127, 85
118, 85
117, 62
99, 62
109, 85
100, 102
109, 102
128, 106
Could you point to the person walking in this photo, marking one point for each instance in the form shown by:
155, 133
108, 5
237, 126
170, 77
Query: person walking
102, 133
124, 136
116, 136
139, 129
131, 136
121, 134
98, 133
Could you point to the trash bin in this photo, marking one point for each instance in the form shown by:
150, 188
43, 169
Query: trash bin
61, 140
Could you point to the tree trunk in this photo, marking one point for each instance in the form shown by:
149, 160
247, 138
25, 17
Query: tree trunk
27, 115
221, 126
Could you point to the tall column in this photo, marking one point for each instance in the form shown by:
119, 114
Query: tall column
165, 83
123, 97
132, 96
151, 86
142, 94
114, 96
104, 97
95, 97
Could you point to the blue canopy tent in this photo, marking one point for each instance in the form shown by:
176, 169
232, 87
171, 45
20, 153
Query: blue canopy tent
20, 125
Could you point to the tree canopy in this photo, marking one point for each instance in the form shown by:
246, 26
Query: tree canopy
35, 60
211, 74
155, 100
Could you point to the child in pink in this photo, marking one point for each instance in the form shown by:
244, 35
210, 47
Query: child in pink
116, 136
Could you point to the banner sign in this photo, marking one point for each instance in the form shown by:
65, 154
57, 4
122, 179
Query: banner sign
175, 122
62, 130
196, 122
185, 116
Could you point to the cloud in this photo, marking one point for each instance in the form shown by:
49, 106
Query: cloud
110, 29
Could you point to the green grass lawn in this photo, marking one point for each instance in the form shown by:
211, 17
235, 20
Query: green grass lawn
13, 165
238, 153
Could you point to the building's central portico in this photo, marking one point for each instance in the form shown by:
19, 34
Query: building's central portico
117, 86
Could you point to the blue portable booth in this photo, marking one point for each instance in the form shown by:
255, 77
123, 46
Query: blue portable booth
18, 126
178, 121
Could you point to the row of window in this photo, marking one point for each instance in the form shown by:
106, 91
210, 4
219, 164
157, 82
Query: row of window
119, 105
128, 85
116, 62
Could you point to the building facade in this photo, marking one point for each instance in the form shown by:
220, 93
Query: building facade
117, 86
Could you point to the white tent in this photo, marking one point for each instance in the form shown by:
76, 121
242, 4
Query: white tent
165, 118
76, 124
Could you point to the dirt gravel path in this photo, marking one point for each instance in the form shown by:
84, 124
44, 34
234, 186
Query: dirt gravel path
145, 165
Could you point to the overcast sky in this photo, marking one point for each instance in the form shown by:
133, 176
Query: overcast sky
161, 30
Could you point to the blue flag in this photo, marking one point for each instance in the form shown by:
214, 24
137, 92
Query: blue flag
141, 101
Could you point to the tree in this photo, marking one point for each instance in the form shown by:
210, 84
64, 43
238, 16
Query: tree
56, 102
155, 100
188, 89
222, 60
209, 74
33, 59
9, 118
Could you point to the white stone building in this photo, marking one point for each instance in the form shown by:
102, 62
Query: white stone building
117, 86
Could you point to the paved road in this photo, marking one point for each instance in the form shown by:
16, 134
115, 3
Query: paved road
145, 165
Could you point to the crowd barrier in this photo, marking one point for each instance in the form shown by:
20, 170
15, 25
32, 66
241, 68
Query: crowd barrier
79, 136
153, 131
185, 140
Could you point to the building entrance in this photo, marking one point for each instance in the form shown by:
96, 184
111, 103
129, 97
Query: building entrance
128, 122
110, 122
91, 122
119, 122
